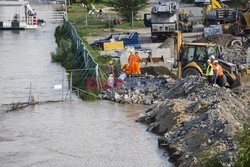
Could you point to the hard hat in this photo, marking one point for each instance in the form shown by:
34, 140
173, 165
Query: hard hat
110, 62
131, 50
216, 61
123, 65
212, 57
208, 60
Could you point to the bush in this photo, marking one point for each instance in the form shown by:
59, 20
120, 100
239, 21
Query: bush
62, 51
243, 138
64, 54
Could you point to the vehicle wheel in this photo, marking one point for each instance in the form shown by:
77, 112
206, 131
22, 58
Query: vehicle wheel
190, 71
223, 82
154, 39
232, 83
190, 29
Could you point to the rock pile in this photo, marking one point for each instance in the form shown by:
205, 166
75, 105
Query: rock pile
221, 39
232, 49
144, 89
195, 119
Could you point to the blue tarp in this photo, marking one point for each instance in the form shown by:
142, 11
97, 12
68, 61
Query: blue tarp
130, 40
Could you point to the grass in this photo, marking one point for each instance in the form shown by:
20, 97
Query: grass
95, 27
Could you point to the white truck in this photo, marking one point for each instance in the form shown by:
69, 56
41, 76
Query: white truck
162, 20
201, 2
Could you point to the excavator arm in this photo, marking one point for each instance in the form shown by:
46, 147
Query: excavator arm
215, 4
179, 44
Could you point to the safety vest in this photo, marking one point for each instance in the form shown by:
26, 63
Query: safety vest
213, 65
209, 71
219, 70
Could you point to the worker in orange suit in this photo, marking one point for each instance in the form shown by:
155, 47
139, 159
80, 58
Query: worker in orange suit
125, 69
131, 61
137, 63
219, 74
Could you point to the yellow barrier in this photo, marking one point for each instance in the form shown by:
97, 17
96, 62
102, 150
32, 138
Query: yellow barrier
113, 45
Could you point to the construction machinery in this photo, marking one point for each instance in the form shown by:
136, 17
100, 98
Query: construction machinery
191, 59
241, 21
184, 24
217, 13
162, 20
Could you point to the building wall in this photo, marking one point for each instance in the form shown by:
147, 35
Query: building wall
7, 13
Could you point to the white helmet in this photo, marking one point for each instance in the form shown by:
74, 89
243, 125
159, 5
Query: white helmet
212, 57
216, 61
208, 60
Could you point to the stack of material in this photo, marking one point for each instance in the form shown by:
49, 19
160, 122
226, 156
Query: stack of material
232, 49
195, 118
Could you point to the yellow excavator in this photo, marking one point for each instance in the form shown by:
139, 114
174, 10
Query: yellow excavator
192, 60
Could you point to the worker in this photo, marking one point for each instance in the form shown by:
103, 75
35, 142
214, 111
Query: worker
219, 74
137, 63
110, 81
209, 72
214, 68
132, 60
212, 58
111, 68
125, 69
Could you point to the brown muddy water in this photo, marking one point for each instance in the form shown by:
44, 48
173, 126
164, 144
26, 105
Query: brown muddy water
71, 133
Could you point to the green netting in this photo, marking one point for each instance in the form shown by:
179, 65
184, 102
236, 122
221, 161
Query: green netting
88, 66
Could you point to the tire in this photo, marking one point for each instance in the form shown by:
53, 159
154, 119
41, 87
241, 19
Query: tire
190, 71
154, 39
232, 83
223, 81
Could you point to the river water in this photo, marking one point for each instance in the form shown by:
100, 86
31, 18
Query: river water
71, 133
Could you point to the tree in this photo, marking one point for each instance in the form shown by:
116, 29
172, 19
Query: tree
126, 7
88, 3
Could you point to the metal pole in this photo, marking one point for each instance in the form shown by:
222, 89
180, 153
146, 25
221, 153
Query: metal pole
71, 85
132, 19
86, 21
97, 76
109, 21
62, 84
66, 7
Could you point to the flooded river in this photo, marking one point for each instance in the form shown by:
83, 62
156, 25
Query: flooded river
71, 133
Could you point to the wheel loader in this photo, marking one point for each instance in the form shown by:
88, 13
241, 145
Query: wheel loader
184, 24
191, 59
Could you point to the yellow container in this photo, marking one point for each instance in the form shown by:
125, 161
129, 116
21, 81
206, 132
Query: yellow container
113, 45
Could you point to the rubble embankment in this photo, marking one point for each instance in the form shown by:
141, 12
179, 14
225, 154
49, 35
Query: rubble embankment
195, 118
233, 50
144, 89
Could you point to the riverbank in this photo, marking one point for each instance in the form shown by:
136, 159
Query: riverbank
198, 123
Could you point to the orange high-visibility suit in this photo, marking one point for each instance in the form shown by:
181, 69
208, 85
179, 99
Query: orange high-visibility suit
213, 64
219, 70
137, 64
132, 59
126, 69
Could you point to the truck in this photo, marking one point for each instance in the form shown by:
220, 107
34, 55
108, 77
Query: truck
217, 13
162, 20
